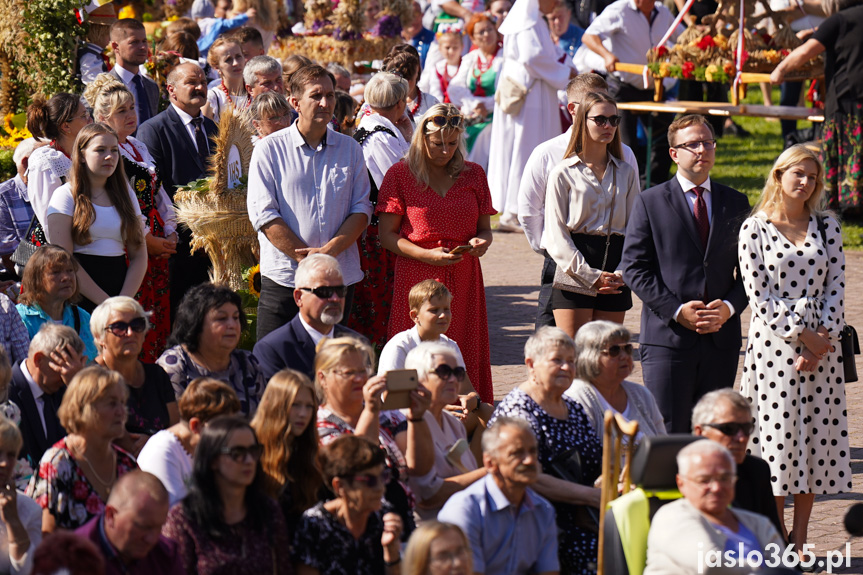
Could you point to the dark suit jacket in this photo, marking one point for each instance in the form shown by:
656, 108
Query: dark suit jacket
35, 442
173, 149
292, 346
151, 88
163, 559
754, 491
666, 265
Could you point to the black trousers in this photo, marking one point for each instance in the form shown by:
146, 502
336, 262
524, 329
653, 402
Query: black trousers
545, 313
276, 306
678, 378
185, 269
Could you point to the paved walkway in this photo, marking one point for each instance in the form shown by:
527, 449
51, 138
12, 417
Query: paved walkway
511, 270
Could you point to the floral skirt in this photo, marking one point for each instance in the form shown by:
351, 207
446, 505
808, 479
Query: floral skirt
373, 296
155, 296
842, 152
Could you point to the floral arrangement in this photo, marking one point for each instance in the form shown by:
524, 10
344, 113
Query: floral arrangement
13, 130
323, 48
249, 297
158, 66
177, 8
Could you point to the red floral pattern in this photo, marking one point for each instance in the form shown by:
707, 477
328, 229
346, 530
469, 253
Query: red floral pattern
841, 153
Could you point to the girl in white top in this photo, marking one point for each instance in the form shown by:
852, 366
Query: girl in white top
589, 196
97, 218
226, 56
436, 79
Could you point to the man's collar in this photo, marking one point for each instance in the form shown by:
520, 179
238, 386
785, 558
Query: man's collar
500, 500
108, 550
125, 74
297, 138
184, 116
687, 185
310, 329
34, 387
653, 10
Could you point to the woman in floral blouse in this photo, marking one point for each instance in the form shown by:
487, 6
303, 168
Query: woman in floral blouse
76, 474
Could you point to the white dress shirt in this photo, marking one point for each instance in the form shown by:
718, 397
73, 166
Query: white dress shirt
127, 78
315, 334
37, 395
190, 129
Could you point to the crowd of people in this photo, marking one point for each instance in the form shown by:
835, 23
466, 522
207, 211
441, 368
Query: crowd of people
361, 433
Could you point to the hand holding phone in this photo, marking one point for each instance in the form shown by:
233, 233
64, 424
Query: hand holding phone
400, 384
461, 249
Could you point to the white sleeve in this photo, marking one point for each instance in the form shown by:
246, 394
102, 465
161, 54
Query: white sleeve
41, 184
30, 514
155, 459
91, 66
393, 355
531, 198
137, 207
61, 202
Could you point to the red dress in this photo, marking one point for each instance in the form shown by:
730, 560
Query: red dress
430, 221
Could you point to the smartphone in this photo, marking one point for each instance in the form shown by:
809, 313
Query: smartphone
460, 249
400, 384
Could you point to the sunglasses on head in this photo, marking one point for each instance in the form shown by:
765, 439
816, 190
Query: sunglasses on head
442, 121
121, 328
372, 481
444, 372
239, 453
614, 350
326, 292
601, 121
732, 428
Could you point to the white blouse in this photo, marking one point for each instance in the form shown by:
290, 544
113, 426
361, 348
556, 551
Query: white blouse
46, 170
218, 100
460, 95
381, 150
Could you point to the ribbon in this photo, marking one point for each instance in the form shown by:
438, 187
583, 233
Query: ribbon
740, 34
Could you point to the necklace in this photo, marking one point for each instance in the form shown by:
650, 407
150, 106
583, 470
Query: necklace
230, 99
482, 67
416, 105
106, 484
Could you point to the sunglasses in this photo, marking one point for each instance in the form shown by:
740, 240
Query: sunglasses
326, 292
239, 453
444, 372
731, 429
121, 328
601, 121
442, 121
372, 481
614, 350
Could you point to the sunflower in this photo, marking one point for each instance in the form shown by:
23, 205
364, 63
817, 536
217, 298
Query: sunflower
255, 281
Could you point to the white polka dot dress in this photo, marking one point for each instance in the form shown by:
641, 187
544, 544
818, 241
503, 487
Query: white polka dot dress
801, 428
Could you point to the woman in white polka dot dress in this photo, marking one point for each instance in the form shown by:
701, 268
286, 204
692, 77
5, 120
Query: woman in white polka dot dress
793, 269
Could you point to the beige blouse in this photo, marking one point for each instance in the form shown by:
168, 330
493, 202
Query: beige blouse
576, 202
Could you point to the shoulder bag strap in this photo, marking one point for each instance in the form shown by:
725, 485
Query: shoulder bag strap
611, 213
33, 222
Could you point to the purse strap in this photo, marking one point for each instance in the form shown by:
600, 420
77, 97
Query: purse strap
611, 213
33, 221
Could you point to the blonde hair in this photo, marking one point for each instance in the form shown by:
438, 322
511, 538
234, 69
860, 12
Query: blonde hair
330, 353
89, 385
10, 435
417, 556
771, 197
105, 94
221, 42
424, 291
578, 140
418, 154
385, 90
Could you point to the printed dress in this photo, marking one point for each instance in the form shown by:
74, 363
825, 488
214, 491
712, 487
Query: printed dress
430, 221
801, 430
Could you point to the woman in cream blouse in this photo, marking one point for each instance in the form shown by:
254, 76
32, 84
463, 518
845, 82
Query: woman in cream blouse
588, 202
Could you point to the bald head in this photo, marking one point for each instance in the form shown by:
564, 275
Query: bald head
180, 71
135, 483
134, 515
187, 88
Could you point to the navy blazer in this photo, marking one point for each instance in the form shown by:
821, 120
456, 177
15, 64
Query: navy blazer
666, 265
150, 87
35, 441
173, 149
292, 346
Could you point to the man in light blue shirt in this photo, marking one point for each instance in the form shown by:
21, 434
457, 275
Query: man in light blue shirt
308, 193
511, 529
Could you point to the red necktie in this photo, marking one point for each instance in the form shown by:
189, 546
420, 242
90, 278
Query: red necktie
701, 220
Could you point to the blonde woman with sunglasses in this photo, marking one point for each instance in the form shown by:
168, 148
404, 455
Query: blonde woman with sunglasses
588, 201
434, 211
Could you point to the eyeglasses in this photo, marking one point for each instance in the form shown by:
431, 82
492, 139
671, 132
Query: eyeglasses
707, 480
614, 350
449, 557
444, 372
732, 428
442, 121
601, 121
121, 328
693, 147
326, 292
372, 481
239, 453
351, 374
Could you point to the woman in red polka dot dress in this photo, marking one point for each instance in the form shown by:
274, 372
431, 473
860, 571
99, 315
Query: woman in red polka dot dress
429, 204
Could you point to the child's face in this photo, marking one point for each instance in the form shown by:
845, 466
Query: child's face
434, 316
450, 48
222, 8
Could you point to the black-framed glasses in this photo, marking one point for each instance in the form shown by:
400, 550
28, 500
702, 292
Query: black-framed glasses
441, 121
601, 121
732, 428
444, 372
614, 350
326, 292
239, 453
121, 328
693, 147
372, 481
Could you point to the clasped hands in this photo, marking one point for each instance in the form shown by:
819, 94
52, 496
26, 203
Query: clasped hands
609, 283
704, 318
816, 345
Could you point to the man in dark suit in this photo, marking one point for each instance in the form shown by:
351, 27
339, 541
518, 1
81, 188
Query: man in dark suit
680, 258
39, 382
179, 139
320, 295
129, 43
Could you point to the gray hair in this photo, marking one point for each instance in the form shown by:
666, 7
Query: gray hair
701, 448
268, 104
590, 340
338, 70
385, 90
23, 150
120, 303
313, 265
544, 340
260, 65
491, 438
422, 357
705, 410
54, 336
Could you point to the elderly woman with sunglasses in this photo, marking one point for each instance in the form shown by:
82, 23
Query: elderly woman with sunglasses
588, 201
602, 364
119, 325
561, 426
435, 215
352, 529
